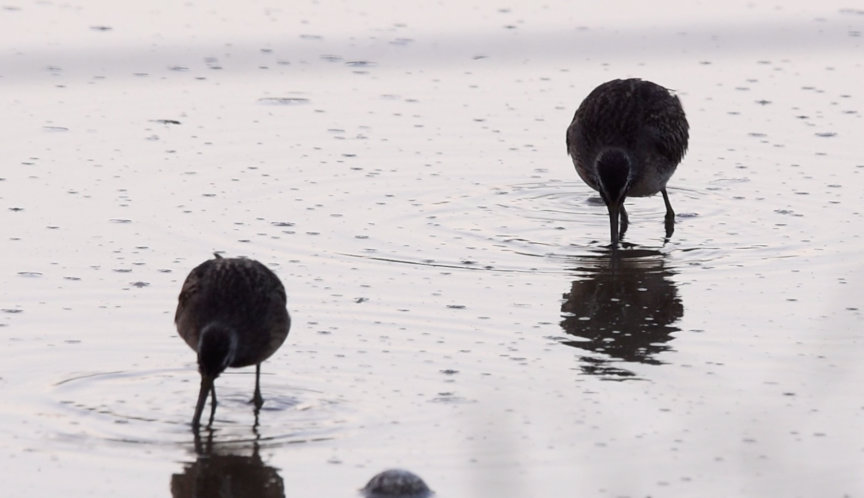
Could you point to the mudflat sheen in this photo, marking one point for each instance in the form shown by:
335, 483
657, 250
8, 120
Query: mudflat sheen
457, 312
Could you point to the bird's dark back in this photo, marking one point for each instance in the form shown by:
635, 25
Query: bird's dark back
240, 293
638, 116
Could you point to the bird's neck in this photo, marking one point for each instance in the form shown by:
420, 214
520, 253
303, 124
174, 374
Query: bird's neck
613, 174
217, 346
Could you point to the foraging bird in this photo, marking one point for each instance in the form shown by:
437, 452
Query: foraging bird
626, 139
231, 311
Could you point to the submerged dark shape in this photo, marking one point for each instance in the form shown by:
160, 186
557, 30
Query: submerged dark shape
231, 311
623, 309
396, 483
626, 139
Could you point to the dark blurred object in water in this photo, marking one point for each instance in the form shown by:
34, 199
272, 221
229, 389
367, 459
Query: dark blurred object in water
396, 483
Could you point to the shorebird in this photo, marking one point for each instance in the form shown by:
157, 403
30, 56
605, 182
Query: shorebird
231, 311
626, 139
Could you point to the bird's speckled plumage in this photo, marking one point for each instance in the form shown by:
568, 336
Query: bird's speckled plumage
626, 140
241, 305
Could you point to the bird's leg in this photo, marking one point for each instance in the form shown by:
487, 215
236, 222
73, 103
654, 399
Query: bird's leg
257, 399
625, 222
670, 215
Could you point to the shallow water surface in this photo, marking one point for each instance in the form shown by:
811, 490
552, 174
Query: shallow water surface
456, 310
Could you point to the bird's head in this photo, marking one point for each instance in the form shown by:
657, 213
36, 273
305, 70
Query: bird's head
613, 176
217, 346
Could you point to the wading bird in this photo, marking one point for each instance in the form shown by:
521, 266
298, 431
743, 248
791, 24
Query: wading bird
231, 311
626, 139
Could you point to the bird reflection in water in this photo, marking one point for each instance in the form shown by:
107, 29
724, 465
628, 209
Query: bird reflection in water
220, 470
623, 305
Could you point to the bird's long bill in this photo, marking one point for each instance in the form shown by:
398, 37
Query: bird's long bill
206, 387
614, 210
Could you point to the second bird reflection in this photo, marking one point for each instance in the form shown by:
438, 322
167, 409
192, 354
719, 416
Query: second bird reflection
623, 306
